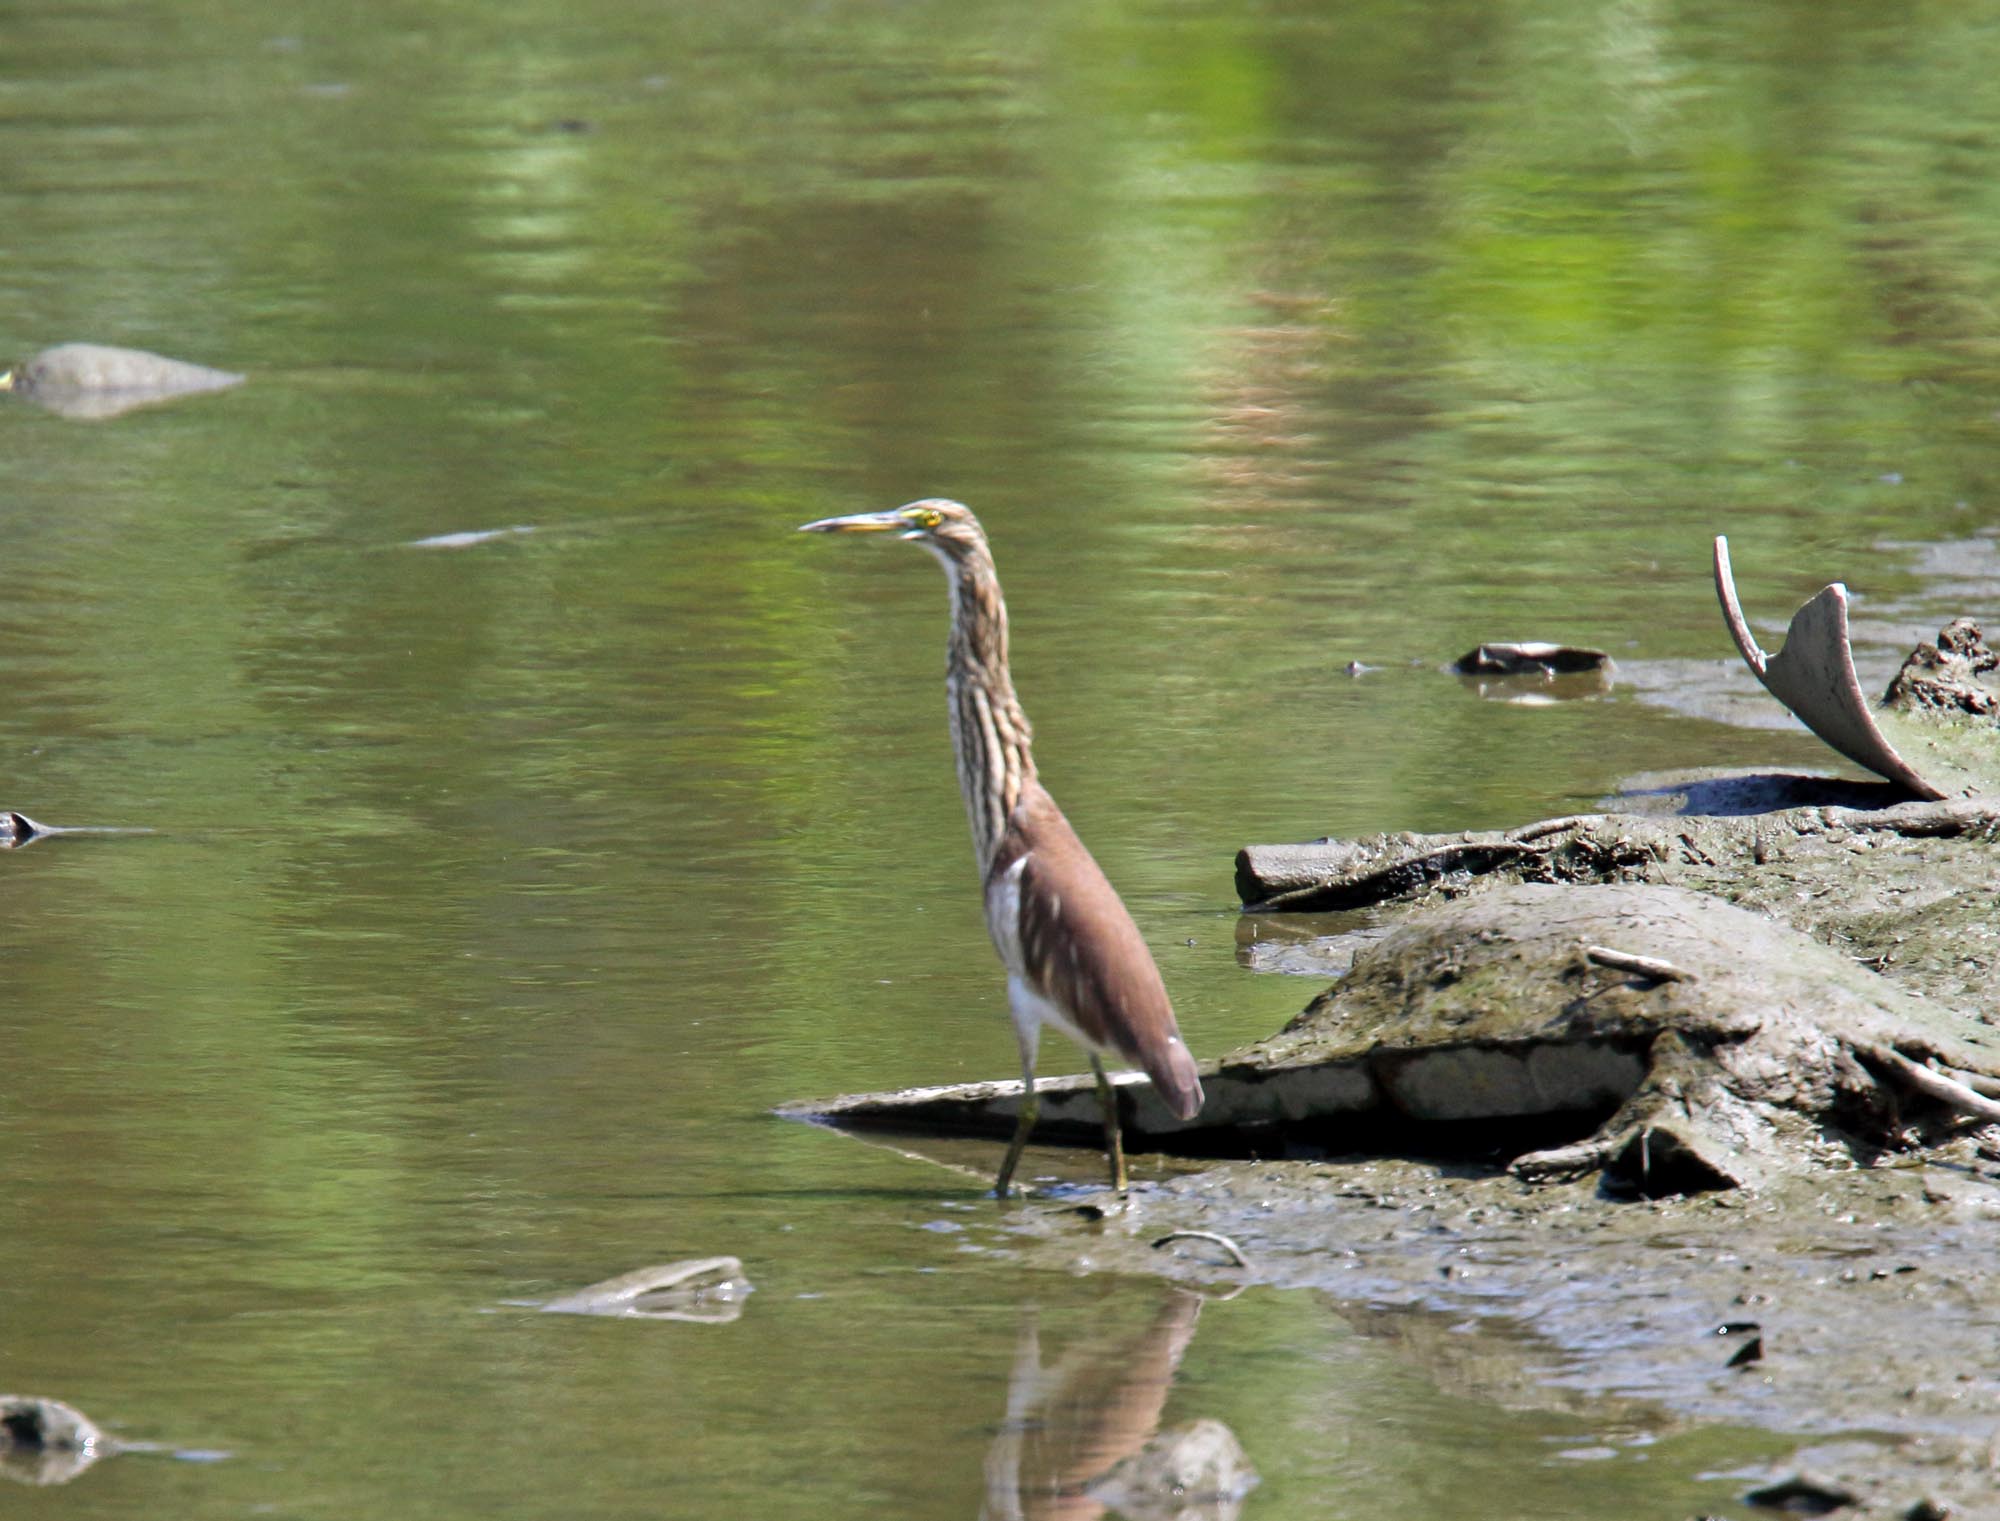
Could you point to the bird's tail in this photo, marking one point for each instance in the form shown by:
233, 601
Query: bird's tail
1175, 1079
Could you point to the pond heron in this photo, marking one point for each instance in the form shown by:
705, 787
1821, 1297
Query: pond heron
1074, 958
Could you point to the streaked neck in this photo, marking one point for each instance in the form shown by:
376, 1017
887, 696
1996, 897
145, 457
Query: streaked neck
989, 732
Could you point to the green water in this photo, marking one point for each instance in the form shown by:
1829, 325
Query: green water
499, 891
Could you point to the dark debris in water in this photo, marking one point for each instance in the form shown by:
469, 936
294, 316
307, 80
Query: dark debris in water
18, 830
1529, 658
1534, 674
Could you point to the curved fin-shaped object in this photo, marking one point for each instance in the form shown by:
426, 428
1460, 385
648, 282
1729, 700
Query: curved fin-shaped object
1813, 676
705, 1289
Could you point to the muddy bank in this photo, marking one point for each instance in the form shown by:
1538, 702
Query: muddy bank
1660, 1034
1861, 1294
1690, 1044
1711, 993
1870, 1296
1911, 890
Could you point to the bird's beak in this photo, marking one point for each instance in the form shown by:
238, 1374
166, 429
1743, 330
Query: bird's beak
860, 522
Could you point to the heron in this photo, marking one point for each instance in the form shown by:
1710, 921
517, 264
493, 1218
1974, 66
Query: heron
1073, 956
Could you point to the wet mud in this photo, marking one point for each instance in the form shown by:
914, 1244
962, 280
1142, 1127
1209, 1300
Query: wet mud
1911, 890
1854, 1311
1850, 1301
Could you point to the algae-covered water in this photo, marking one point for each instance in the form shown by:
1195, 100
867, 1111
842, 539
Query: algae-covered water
502, 884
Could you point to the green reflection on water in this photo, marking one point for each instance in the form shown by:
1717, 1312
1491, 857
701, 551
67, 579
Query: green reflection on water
503, 888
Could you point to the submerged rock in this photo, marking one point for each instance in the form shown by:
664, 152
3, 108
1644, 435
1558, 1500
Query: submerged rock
92, 380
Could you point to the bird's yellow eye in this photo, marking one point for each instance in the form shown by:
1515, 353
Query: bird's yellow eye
924, 517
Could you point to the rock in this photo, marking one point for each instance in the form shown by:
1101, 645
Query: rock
1197, 1471
44, 1441
1955, 676
92, 381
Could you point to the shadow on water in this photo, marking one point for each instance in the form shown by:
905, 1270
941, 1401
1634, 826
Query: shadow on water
1082, 1436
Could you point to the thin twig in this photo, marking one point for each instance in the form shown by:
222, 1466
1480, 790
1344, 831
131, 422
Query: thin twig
1547, 827
1932, 1084
1559, 1164
1215, 1236
1644, 966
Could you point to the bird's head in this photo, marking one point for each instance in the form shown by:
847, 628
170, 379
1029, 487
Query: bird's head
947, 529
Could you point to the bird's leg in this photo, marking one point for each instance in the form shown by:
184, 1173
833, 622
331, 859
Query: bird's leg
1026, 1123
1114, 1142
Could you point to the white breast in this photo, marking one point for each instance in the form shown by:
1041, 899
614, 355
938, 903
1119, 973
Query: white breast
1030, 1009
1003, 917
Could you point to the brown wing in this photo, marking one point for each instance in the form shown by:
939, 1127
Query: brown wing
1081, 951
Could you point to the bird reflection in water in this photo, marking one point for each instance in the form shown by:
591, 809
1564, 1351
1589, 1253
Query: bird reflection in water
1082, 1436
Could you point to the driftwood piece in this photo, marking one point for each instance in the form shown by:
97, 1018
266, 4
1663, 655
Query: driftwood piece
1932, 1084
1651, 967
1533, 673
1328, 874
1215, 1238
1336, 874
